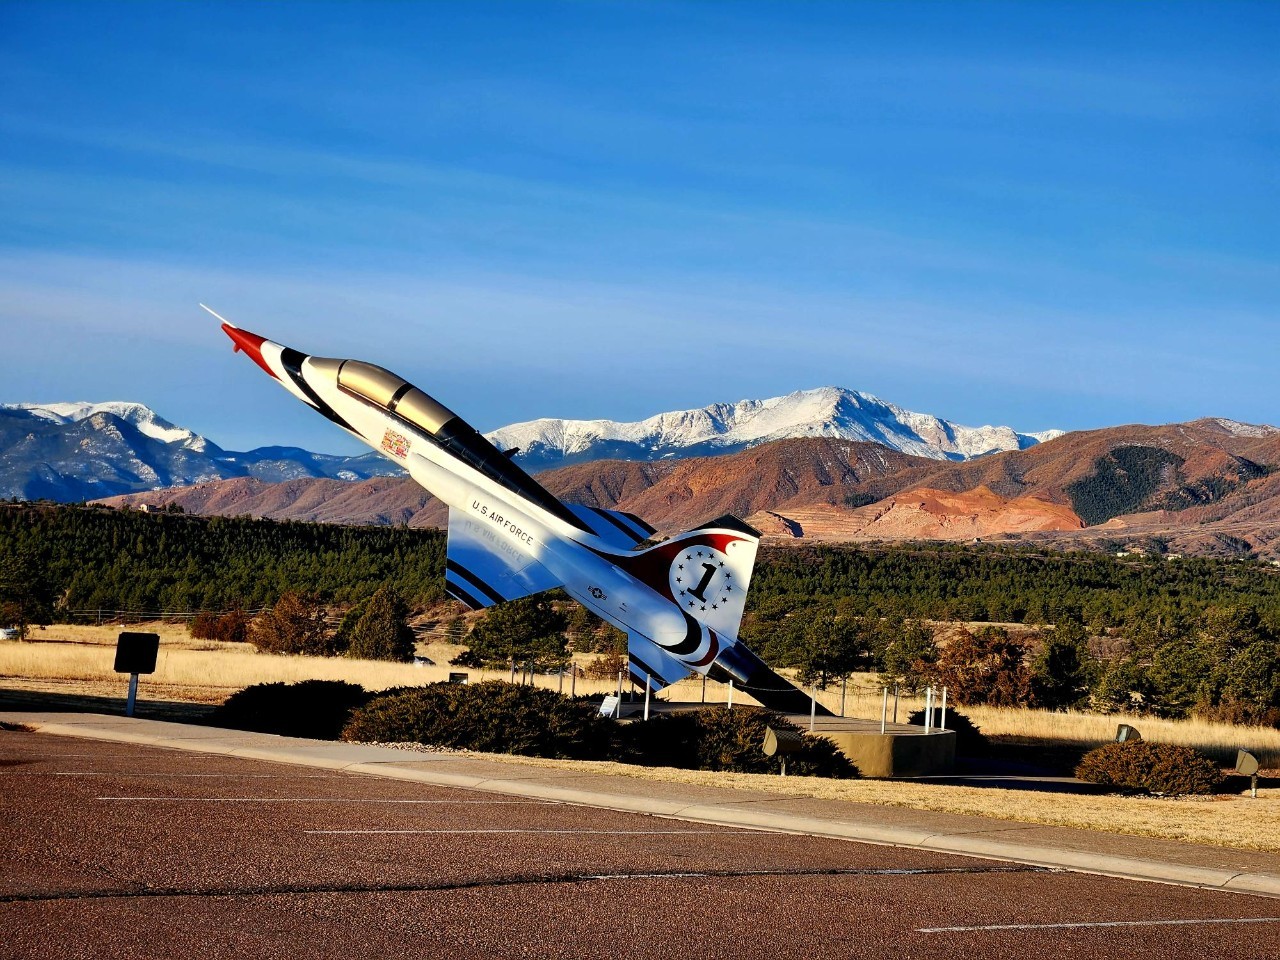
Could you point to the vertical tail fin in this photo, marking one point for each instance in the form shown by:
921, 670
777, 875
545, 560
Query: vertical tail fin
706, 571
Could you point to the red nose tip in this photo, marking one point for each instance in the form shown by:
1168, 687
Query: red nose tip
250, 343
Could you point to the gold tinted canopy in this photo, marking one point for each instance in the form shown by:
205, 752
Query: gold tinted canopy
383, 388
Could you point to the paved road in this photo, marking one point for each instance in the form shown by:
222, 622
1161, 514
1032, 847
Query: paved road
116, 850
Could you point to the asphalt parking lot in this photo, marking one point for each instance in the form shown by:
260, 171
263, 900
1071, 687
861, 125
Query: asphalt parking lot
117, 850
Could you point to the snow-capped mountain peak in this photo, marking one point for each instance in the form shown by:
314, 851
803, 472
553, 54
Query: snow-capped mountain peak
1238, 429
78, 451
146, 420
723, 427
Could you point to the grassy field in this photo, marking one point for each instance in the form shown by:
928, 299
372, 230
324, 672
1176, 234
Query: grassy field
864, 699
207, 671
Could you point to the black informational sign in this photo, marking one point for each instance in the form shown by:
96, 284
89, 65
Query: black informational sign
136, 652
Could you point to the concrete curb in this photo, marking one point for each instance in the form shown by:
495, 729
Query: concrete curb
395, 764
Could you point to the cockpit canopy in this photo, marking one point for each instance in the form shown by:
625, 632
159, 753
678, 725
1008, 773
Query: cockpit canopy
384, 389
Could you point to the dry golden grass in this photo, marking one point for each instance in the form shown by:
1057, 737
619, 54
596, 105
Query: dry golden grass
216, 670
171, 635
1223, 821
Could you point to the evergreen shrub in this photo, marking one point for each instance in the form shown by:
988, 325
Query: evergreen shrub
1160, 768
382, 632
718, 738
494, 717
318, 709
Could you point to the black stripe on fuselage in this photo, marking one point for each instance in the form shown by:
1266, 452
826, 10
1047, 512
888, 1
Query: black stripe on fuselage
692, 638
620, 524
640, 524
476, 582
292, 361
455, 591
645, 669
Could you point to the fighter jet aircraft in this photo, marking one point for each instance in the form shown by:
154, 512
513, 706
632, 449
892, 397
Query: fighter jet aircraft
679, 600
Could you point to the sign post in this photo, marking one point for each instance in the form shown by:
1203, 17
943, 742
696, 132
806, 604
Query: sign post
1247, 764
136, 654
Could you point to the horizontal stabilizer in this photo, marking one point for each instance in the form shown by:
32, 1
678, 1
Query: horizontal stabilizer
482, 569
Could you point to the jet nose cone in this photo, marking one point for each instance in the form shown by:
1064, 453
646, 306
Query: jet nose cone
250, 343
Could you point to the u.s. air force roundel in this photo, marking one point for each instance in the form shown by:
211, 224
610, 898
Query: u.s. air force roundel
701, 580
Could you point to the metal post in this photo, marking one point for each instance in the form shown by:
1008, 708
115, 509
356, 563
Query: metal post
844, 692
513, 669
619, 686
133, 695
943, 724
1254, 787
731, 693
884, 710
813, 705
704, 688
647, 686
895, 703
573, 682
928, 708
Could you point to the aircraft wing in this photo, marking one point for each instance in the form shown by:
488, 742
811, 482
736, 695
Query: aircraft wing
481, 570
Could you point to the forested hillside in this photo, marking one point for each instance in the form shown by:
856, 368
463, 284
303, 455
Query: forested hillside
89, 558
93, 557
1009, 584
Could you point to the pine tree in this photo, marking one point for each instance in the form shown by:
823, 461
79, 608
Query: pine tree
383, 632
1062, 672
909, 659
831, 650
24, 594
521, 631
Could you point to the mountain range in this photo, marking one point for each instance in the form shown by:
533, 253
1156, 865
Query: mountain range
77, 451
1210, 486
728, 427
82, 451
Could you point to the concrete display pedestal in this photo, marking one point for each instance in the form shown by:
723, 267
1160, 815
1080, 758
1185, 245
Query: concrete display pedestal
901, 751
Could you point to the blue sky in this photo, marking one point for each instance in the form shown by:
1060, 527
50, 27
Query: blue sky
1036, 214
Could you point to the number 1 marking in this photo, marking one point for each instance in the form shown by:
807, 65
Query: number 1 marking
709, 571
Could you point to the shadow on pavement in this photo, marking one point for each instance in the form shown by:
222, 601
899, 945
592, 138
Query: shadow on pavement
36, 700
